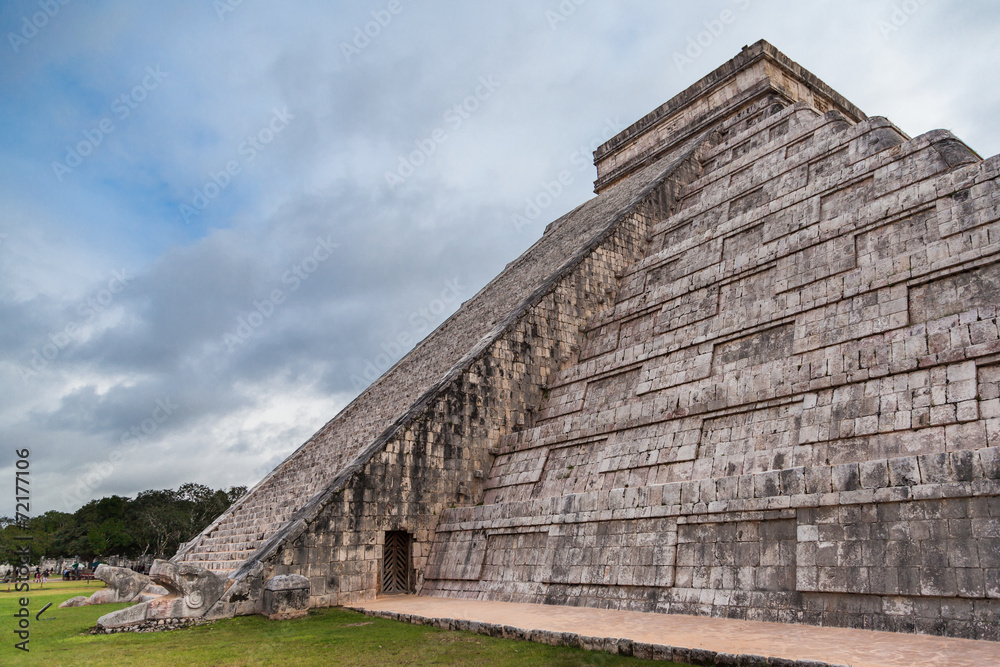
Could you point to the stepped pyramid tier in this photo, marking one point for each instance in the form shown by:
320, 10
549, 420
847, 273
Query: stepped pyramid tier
756, 376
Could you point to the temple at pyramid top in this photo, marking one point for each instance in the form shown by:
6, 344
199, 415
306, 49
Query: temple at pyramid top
758, 72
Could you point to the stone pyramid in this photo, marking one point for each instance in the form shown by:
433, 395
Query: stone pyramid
756, 376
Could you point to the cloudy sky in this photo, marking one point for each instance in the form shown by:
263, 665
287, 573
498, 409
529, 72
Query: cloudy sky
220, 220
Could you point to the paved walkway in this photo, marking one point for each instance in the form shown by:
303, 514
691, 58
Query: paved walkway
858, 648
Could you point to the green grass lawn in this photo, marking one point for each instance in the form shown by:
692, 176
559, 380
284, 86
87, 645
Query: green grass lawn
325, 637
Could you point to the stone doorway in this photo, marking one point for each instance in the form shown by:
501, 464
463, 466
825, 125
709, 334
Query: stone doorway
396, 570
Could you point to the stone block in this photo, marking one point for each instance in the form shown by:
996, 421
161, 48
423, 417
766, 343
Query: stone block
727, 660
793, 481
991, 580
904, 471
938, 581
846, 477
971, 584
989, 459
934, 468
874, 474
767, 485
701, 656
286, 596
970, 435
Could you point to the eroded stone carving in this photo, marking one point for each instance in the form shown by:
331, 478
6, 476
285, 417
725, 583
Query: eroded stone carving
190, 592
78, 601
123, 585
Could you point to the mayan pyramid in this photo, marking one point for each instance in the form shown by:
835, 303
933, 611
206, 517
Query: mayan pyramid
756, 376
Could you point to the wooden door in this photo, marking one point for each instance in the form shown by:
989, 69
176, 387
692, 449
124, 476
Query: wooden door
396, 563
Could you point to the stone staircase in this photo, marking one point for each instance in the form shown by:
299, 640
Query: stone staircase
304, 476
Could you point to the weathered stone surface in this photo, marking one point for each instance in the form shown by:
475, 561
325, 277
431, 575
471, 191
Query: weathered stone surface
758, 376
191, 591
150, 592
78, 601
124, 617
286, 596
105, 596
126, 582
123, 585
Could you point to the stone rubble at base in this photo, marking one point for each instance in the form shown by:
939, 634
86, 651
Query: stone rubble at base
149, 626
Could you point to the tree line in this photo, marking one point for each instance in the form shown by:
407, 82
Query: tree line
154, 523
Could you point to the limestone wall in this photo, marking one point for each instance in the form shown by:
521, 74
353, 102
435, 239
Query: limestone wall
790, 413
